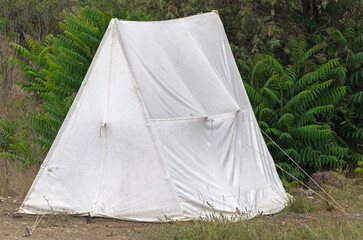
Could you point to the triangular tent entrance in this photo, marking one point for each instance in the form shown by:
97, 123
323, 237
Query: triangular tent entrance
161, 127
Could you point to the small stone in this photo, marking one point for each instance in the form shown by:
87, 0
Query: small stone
310, 192
28, 231
110, 234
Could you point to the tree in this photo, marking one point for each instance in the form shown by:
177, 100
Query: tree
295, 104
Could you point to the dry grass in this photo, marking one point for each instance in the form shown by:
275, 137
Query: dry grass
300, 204
14, 101
15, 179
254, 229
307, 217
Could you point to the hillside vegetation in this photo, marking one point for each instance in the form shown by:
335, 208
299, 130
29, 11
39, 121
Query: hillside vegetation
300, 61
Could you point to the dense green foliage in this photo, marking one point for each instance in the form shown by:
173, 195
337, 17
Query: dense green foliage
306, 90
294, 104
36, 18
252, 26
299, 105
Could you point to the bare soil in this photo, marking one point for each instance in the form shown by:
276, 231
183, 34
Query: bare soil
13, 226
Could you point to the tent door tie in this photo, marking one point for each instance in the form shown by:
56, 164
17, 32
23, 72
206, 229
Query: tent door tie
102, 126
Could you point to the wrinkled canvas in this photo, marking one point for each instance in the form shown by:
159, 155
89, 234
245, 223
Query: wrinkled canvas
161, 129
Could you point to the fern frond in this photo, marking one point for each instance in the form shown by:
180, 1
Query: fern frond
263, 124
252, 93
274, 131
271, 95
356, 77
355, 59
310, 53
357, 98
266, 113
313, 132
338, 36
25, 52
285, 121
310, 115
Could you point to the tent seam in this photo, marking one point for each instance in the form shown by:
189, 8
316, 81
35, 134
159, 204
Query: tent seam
104, 153
194, 118
146, 112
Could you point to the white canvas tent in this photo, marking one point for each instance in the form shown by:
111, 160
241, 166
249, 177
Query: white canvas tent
161, 128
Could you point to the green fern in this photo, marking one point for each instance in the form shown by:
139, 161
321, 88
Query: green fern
295, 104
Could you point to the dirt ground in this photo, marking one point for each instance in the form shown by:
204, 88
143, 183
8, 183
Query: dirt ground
13, 226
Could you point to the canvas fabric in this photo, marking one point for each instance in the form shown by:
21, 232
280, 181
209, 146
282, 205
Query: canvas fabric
161, 129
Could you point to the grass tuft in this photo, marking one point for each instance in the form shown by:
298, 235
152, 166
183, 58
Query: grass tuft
254, 229
299, 204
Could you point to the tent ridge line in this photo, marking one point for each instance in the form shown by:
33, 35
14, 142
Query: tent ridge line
146, 112
168, 20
